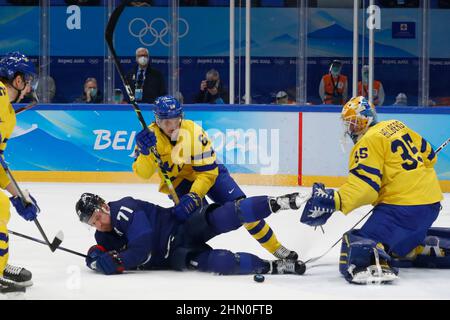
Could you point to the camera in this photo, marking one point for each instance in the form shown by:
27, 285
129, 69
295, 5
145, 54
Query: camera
210, 84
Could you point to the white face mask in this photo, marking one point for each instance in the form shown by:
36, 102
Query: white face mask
142, 61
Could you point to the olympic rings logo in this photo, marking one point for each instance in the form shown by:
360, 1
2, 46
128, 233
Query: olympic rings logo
157, 30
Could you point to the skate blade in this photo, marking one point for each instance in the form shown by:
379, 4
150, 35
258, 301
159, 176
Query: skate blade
23, 284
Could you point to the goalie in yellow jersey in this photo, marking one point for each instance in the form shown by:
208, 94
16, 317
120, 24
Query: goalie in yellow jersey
17, 73
190, 162
390, 167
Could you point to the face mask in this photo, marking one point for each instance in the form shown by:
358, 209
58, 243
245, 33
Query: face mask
93, 92
335, 72
143, 61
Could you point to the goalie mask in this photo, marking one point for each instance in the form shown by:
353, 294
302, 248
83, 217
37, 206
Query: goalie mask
358, 114
86, 206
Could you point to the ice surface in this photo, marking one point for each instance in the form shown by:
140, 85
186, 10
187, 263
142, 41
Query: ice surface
61, 275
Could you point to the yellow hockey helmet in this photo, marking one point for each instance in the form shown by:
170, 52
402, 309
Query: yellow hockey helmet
358, 114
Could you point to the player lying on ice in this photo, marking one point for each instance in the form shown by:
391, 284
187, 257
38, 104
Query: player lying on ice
191, 164
390, 167
133, 234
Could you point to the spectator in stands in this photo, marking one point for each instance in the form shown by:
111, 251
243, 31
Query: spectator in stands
401, 100
283, 98
146, 82
91, 93
118, 96
211, 90
333, 88
363, 87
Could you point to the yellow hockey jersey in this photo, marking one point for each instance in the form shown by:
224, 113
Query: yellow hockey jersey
7, 124
390, 164
190, 158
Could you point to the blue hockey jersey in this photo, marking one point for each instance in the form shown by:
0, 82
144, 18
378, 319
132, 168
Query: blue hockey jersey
141, 233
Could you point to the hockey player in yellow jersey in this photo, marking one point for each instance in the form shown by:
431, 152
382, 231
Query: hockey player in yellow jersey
390, 167
190, 162
16, 73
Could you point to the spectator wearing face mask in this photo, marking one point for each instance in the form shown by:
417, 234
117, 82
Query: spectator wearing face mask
401, 100
363, 87
91, 93
333, 88
211, 90
146, 82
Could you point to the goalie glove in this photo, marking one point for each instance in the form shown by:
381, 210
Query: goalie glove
320, 206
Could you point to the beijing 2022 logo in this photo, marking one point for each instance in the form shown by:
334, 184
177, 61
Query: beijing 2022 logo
158, 30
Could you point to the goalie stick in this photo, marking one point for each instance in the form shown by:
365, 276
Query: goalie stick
442, 146
59, 236
109, 33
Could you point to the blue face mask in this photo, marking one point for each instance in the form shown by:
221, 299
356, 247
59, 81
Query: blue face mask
335, 72
93, 92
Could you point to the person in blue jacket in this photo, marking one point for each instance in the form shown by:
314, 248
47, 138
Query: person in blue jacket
133, 234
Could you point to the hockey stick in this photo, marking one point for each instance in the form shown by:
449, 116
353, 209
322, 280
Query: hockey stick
59, 236
44, 243
109, 32
442, 146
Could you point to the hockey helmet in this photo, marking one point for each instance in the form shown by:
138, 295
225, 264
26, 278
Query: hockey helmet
358, 114
14, 63
87, 204
167, 107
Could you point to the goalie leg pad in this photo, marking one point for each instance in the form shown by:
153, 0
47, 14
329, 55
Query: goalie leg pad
364, 261
433, 253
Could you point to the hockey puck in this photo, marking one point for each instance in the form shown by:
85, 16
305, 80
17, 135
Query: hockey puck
259, 278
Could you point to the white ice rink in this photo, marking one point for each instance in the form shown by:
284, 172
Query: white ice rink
61, 275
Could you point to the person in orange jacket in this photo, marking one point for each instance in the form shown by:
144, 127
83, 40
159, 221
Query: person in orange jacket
333, 88
363, 87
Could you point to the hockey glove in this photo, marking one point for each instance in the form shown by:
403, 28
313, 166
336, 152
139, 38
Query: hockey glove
105, 262
320, 206
145, 140
30, 210
188, 204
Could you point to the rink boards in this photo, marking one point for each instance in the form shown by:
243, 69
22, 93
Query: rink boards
260, 144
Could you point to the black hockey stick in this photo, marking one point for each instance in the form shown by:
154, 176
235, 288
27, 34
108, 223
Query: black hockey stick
44, 243
59, 236
109, 33
442, 146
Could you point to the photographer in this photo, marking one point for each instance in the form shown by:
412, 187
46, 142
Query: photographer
211, 90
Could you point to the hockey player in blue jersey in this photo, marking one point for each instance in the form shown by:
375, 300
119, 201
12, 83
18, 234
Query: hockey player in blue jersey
137, 235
